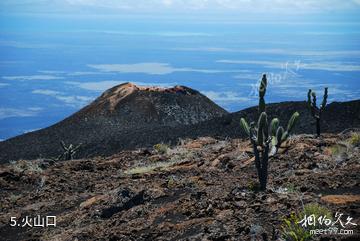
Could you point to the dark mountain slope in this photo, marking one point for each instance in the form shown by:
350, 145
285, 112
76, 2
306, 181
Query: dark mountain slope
337, 117
125, 109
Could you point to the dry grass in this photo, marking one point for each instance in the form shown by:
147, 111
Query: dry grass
354, 140
30, 167
150, 168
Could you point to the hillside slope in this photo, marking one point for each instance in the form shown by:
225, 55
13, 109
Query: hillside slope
127, 117
121, 111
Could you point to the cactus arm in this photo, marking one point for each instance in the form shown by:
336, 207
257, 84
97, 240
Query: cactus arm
279, 135
314, 109
261, 128
254, 143
284, 137
263, 85
262, 92
313, 94
309, 98
274, 124
266, 130
77, 147
245, 126
323, 104
292, 121
63, 145
253, 132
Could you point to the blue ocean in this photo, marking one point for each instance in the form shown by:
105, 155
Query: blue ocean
52, 65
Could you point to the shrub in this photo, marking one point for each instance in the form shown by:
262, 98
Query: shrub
292, 229
23, 166
337, 149
161, 148
318, 211
355, 139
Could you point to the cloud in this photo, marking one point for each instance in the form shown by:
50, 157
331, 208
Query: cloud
46, 92
23, 45
327, 66
325, 53
7, 62
80, 73
290, 86
3, 84
75, 73
151, 68
32, 77
104, 85
225, 97
242, 5
70, 100
337, 92
51, 72
206, 49
248, 76
17, 112
96, 86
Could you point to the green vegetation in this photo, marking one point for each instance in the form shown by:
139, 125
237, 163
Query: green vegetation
318, 211
338, 149
346, 147
252, 186
317, 111
355, 139
259, 135
292, 229
171, 182
161, 148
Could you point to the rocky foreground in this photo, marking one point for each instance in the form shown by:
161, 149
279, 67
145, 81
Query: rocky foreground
204, 189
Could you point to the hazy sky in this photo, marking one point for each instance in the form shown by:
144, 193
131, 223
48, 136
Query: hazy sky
168, 6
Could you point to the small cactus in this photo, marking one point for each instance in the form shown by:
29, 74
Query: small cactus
69, 151
262, 135
316, 112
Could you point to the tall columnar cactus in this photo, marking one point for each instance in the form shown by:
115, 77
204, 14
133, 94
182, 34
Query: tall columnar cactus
316, 112
264, 137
